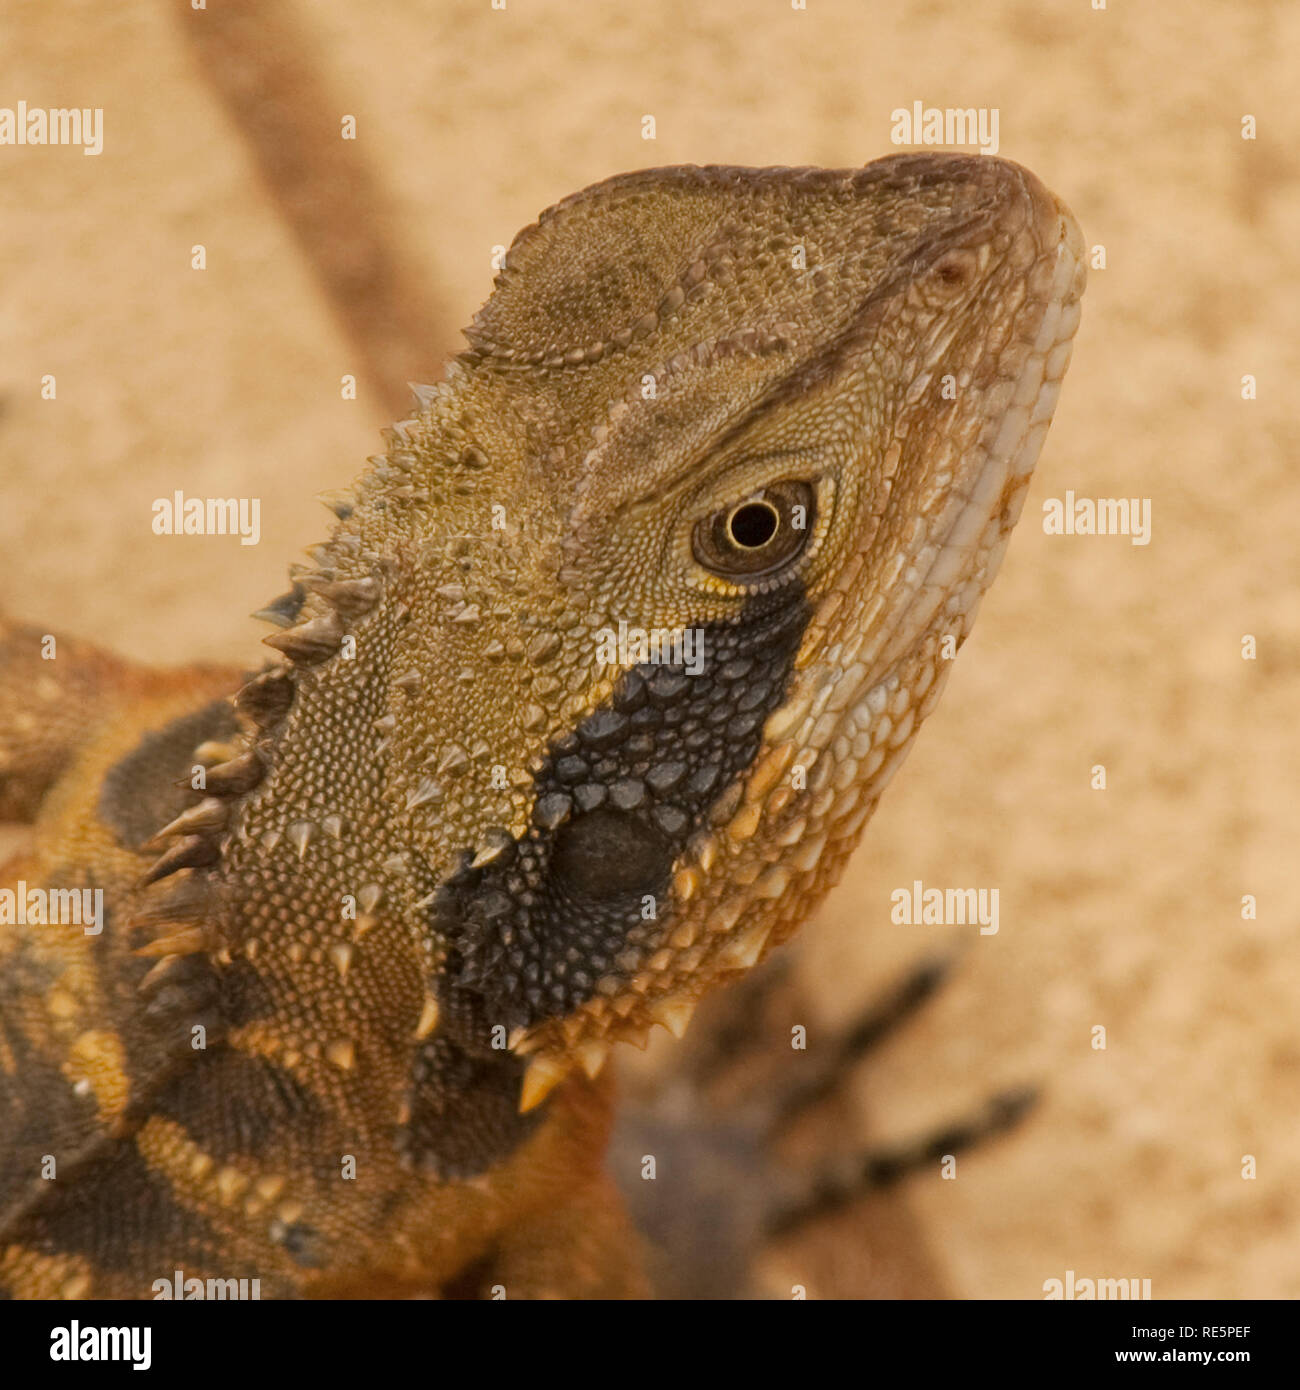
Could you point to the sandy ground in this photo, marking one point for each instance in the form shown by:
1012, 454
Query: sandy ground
1120, 908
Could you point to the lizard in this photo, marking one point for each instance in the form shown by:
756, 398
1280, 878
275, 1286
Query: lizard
575, 717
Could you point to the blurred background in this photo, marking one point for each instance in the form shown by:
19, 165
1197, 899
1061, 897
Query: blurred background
328, 257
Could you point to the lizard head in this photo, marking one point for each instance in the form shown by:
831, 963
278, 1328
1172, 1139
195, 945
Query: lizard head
648, 601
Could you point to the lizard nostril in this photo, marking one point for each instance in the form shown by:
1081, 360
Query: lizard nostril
954, 271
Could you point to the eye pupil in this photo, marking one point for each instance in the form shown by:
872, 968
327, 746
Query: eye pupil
759, 534
753, 524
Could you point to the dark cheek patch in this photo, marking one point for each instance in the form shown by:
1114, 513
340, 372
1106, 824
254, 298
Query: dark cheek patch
607, 855
585, 892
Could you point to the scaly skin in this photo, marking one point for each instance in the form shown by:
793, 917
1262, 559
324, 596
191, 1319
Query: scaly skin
450, 853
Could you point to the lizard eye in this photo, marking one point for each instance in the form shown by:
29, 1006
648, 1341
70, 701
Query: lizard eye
759, 534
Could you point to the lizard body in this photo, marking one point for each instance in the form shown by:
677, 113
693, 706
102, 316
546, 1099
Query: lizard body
346, 1024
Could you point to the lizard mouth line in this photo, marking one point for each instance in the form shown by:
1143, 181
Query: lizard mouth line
954, 567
